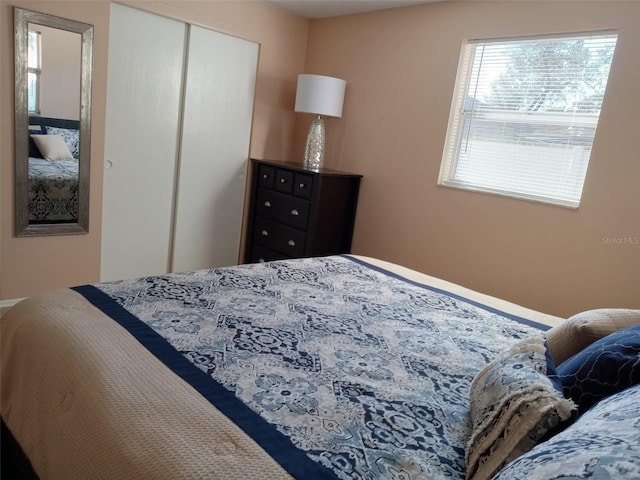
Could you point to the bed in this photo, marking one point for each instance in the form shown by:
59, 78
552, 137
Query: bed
332, 367
53, 176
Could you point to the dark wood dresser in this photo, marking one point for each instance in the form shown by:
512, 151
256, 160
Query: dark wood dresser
298, 212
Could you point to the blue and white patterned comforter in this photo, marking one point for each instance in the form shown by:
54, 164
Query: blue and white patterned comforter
53, 190
364, 371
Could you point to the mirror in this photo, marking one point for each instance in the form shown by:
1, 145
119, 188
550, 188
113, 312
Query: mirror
53, 58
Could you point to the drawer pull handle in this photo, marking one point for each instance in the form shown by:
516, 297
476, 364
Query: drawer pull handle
291, 243
295, 212
283, 180
264, 233
265, 176
267, 203
303, 185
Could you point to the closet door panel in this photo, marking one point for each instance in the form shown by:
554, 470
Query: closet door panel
216, 129
146, 56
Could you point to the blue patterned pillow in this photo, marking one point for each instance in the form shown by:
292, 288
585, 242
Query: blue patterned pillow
602, 444
514, 403
605, 367
71, 137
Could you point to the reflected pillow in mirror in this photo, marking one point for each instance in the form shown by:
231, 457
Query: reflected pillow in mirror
71, 137
52, 147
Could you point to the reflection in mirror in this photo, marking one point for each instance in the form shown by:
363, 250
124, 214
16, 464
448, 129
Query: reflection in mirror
53, 93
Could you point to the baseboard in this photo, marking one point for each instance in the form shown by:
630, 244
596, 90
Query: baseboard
9, 303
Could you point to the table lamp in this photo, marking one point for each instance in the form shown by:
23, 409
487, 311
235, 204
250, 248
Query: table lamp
319, 95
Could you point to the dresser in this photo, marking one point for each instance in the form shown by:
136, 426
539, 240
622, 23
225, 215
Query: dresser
298, 212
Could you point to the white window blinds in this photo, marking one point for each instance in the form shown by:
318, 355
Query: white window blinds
524, 115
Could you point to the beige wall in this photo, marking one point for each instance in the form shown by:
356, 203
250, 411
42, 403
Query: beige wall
400, 66
60, 79
31, 265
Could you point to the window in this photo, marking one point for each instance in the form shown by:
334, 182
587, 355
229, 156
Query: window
34, 59
524, 115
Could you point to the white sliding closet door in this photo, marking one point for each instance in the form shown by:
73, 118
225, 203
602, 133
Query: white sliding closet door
216, 129
146, 58
179, 111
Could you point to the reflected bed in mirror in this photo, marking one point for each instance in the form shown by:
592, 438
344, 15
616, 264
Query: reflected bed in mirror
53, 107
53, 170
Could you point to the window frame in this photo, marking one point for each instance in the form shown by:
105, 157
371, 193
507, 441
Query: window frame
36, 70
458, 113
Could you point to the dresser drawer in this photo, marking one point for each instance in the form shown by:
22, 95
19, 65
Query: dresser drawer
286, 209
284, 181
278, 237
302, 185
260, 254
266, 176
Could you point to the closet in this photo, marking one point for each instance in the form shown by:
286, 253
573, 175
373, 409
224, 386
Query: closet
178, 124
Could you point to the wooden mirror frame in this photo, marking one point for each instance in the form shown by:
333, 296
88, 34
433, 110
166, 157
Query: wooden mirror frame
22, 18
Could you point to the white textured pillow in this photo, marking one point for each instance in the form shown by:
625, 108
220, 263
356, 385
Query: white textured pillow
52, 147
579, 331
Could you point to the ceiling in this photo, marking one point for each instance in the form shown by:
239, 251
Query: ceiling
313, 9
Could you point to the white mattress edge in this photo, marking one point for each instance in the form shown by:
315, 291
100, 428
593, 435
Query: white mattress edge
488, 300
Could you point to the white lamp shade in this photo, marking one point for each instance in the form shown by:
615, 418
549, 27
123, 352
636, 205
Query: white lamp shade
320, 95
